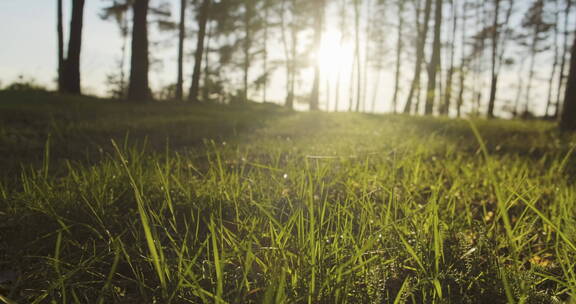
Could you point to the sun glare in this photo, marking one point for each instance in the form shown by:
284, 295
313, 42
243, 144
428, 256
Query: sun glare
335, 55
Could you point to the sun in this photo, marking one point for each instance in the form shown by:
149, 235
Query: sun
335, 55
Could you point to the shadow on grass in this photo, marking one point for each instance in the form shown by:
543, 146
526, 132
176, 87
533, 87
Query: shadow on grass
81, 128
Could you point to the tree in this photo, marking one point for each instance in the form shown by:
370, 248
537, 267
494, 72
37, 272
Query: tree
565, 49
342, 24
399, 44
60, 32
357, 65
202, 19
118, 10
181, 38
267, 6
420, 50
535, 21
494, 76
568, 119
497, 55
248, 22
290, 46
463, 60
434, 65
71, 64
445, 106
139, 90
319, 17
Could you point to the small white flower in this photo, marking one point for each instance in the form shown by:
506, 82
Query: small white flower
285, 176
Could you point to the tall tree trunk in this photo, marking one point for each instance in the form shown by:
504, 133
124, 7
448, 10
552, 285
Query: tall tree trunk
138, 89
343, 15
445, 108
366, 54
555, 63
351, 85
375, 89
399, 45
568, 119
462, 72
202, 21
494, 75
293, 60
72, 62
181, 38
357, 54
246, 47
422, 37
124, 28
60, 31
519, 89
434, 65
314, 97
562, 77
287, 52
265, 51
206, 55
531, 72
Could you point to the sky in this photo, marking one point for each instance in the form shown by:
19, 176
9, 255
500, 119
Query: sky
28, 35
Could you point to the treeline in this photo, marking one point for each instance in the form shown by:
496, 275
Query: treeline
446, 57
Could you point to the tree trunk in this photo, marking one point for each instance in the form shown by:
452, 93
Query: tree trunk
72, 63
366, 55
462, 74
202, 21
494, 76
293, 60
60, 31
562, 77
265, 51
351, 85
556, 55
357, 54
287, 52
422, 37
399, 45
125, 32
206, 55
434, 65
568, 119
315, 96
375, 89
181, 37
531, 72
138, 89
247, 46
343, 15
445, 108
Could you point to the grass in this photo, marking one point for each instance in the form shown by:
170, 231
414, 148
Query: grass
218, 204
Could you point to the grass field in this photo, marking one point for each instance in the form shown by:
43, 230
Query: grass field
103, 202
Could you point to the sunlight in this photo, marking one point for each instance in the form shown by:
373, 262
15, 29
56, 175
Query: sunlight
335, 55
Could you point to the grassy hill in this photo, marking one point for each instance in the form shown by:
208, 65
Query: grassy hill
103, 202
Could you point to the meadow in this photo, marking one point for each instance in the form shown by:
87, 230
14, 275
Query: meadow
104, 202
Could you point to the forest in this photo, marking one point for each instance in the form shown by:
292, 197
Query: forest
506, 58
291, 151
